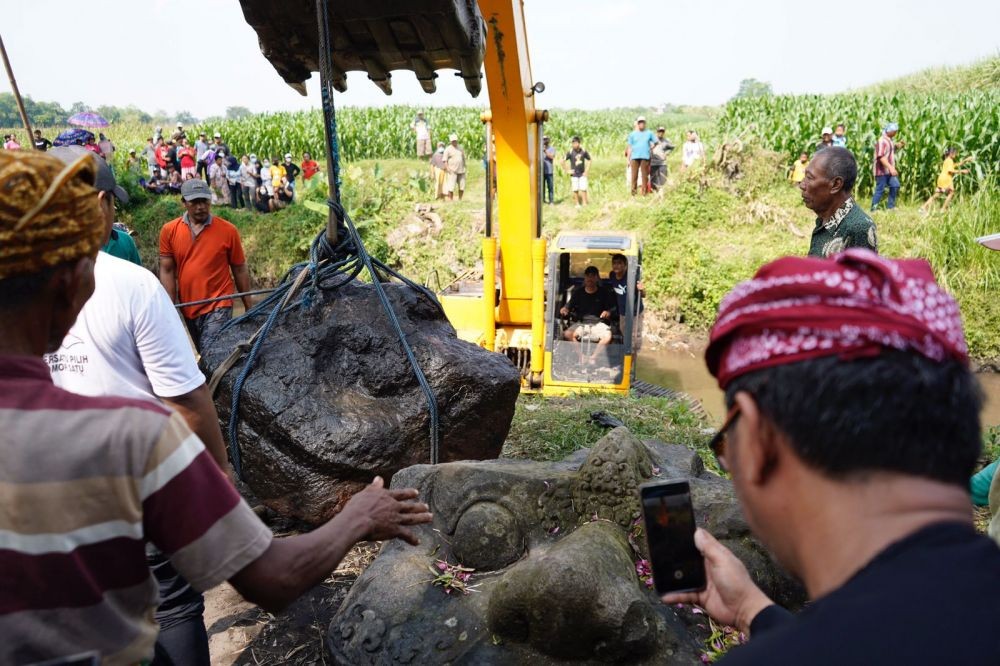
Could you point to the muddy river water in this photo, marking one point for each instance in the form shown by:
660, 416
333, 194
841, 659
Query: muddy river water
685, 371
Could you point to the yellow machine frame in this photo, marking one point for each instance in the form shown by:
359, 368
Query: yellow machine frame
507, 314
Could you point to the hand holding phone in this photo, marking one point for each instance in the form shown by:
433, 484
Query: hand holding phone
730, 596
676, 562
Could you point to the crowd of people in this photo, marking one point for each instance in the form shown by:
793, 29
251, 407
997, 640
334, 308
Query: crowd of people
165, 163
258, 184
884, 166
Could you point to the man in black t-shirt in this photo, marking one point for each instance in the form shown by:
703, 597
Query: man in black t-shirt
40, 142
592, 306
853, 426
578, 160
292, 170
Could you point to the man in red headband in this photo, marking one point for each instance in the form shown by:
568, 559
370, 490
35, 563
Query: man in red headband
853, 427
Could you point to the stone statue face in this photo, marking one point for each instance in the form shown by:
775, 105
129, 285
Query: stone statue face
554, 548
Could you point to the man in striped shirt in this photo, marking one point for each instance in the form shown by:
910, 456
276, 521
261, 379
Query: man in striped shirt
86, 482
886, 175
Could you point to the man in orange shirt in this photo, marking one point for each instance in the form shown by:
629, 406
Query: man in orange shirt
200, 257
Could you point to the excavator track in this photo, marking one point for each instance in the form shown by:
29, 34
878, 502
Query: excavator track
641, 389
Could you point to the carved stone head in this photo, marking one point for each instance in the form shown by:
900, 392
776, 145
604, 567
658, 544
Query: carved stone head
552, 549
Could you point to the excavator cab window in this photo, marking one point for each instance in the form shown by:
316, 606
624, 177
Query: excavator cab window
585, 349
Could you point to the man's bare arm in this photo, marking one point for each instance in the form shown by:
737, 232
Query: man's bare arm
198, 410
168, 276
241, 274
292, 565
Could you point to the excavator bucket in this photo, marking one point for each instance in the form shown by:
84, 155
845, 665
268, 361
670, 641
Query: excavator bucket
373, 36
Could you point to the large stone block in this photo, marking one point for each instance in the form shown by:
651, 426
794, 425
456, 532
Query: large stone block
332, 400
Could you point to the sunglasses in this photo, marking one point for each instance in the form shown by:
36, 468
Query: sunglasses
720, 439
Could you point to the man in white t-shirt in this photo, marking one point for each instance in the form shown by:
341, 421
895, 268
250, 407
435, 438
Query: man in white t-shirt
422, 129
693, 150
129, 341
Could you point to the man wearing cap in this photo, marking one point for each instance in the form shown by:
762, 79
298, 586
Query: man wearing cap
826, 140
219, 145
852, 429
548, 171
885, 167
179, 134
658, 159
640, 141
89, 481
422, 130
292, 170
454, 168
201, 256
827, 190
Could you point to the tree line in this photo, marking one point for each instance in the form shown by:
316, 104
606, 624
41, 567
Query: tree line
53, 114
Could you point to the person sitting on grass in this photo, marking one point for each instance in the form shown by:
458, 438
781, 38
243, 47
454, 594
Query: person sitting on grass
592, 306
946, 179
156, 183
853, 427
283, 195
263, 201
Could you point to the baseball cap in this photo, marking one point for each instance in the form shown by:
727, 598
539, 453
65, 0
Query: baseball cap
827, 130
253, 158
892, 127
217, 135
591, 270
288, 156
640, 119
180, 124
453, 137
195, 188
105, 181
661, 128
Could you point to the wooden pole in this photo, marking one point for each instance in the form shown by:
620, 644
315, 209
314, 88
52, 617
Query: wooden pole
17, 94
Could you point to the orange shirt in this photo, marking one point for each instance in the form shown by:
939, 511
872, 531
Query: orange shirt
203, 262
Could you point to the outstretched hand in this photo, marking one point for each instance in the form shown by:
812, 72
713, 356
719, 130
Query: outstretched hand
387, 512
730, 596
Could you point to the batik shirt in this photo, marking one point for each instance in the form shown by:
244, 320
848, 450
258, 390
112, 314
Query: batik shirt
848, 227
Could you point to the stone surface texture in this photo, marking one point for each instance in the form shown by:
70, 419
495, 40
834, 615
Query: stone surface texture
332, 400
554, 548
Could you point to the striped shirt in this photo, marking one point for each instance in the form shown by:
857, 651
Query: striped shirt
84, 484
884, 148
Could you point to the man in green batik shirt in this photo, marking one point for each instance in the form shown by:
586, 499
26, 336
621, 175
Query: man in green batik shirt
826, 190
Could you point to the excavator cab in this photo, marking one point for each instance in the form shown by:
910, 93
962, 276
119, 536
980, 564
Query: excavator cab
578, 354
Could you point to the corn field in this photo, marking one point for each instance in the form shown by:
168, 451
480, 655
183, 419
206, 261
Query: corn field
384, 133
928, 124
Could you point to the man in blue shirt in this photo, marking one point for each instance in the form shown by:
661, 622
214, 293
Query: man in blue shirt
639, 143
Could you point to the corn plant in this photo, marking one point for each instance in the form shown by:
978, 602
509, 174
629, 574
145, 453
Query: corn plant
970, 121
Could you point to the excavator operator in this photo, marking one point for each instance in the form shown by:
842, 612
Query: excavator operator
593, 307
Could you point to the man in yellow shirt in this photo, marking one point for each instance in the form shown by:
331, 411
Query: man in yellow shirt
946, 179
799, 169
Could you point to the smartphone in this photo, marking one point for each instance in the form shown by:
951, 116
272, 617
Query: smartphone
669, 518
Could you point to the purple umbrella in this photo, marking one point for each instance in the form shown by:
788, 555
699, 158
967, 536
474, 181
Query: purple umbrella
88, 119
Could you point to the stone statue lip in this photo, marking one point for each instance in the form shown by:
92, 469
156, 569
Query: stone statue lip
554, 549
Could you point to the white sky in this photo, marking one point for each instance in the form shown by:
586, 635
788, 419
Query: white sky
159, 54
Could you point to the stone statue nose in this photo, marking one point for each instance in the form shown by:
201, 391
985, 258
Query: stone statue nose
579, 600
